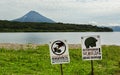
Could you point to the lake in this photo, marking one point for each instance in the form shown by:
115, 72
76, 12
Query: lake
107, 38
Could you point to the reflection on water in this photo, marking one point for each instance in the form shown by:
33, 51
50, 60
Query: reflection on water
45, 37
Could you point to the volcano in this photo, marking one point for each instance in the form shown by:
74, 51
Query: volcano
33, 16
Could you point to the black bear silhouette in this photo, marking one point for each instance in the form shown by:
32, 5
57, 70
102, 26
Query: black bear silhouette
90, 42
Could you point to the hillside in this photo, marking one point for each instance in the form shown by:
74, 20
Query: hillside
10, 26
115, 28
36, 61
33, 16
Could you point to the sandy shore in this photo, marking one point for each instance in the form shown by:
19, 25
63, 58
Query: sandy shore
26, 46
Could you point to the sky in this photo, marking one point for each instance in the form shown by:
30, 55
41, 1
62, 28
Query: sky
96, 12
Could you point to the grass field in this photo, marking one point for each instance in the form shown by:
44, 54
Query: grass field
36, 61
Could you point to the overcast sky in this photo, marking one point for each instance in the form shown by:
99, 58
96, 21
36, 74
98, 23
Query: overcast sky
99, 12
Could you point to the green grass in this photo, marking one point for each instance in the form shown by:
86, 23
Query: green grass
37, 62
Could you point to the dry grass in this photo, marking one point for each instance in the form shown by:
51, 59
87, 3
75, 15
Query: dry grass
17, 46
26, 46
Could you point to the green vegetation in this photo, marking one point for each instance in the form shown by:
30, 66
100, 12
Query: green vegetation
37, 62
8, 26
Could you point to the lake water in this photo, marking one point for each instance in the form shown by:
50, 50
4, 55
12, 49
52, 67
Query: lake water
107, 38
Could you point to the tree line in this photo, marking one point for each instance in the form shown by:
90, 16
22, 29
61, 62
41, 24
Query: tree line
11, 26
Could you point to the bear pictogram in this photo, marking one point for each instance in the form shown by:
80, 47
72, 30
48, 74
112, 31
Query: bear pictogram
90, 42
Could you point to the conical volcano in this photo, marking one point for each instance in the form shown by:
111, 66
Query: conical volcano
33, 16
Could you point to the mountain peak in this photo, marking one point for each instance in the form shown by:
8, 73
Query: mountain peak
33, 12
34, 16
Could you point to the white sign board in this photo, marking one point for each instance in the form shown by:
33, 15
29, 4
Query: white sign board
91, 48
59, 52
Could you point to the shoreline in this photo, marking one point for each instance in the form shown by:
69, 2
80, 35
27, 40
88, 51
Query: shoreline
17, 46
26, 46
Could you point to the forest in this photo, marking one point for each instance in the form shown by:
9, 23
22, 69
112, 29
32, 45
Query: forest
12, 26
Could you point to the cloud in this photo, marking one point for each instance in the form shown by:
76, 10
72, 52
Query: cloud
69, 11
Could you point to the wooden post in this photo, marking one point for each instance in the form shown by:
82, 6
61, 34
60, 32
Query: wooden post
92, 69
61, 69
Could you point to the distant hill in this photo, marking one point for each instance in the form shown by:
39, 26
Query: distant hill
115, 28
33, 16
10, 26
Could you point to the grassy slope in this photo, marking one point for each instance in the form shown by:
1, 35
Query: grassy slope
37, 62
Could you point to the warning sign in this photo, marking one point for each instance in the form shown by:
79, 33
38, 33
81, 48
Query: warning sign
59, 52
91, 48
